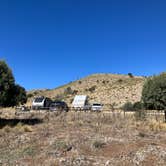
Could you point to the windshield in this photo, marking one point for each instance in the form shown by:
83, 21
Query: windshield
96, 104
39, 100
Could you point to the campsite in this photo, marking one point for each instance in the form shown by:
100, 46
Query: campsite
82, 83
80, 136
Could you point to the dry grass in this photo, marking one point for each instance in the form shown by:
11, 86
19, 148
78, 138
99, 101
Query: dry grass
79, 138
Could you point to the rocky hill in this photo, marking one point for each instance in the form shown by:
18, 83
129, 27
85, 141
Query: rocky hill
103, 88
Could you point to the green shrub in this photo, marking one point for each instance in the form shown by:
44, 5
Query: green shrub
154, 92
138, 106
128, 106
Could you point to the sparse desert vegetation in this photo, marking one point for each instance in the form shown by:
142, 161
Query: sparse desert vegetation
84, 138
103, 88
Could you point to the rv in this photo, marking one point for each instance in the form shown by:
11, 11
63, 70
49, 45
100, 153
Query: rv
41, 102
80, 102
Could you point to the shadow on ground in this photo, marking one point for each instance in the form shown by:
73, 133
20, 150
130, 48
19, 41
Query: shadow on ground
14, 122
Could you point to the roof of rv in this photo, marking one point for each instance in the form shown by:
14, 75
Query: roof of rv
80, 97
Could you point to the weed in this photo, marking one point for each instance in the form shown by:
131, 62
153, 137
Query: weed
98, 144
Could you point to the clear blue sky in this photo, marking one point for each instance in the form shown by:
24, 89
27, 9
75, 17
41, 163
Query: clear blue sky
51, 42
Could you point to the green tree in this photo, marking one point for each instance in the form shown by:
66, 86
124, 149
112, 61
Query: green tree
154, 93
10, 94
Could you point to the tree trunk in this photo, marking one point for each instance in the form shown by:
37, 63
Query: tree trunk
165, 116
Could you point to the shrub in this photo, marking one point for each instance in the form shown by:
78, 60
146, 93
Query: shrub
68, 91
103, 81
92, 89
120, 80
29, 95
138, 106
128, 106
98, 144
130, 75
80, 82
60, 145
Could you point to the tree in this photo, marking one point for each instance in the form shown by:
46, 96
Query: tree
20, 95
10, 94
154, 93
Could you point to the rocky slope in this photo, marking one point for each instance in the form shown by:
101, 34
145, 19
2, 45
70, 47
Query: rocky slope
103, 88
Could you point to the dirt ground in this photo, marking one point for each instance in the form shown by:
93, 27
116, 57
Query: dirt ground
83, 139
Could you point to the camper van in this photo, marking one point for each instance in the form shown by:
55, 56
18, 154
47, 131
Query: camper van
80, 102
41, 102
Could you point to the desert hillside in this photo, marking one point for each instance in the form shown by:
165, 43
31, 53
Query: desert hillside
103, 88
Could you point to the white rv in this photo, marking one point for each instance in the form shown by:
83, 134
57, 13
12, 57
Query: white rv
41, 102
80, 102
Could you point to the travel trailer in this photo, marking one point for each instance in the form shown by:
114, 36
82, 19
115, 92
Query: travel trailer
41, 102
80, 102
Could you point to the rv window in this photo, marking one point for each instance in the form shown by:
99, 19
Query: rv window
39, 100
95, 104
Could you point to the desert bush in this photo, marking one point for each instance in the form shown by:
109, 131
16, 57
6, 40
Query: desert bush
120, 80
60, 145
29, 150
92, 89
130, 75
128, 106
98, 144
138, 106
68, 91
80, 82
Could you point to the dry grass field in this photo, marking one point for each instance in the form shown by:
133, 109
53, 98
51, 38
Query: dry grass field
83, 139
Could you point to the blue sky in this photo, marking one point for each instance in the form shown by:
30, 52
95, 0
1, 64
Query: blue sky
51, 42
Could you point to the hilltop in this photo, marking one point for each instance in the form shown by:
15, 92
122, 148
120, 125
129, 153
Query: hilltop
103, 88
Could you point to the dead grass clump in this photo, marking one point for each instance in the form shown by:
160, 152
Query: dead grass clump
27, 128
97, 144
157, 126
7, 129
60, 145
29, 151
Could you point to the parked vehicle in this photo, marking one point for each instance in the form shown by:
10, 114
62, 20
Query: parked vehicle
41, 102
80, 102
96, 107
59, 106
87, 107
